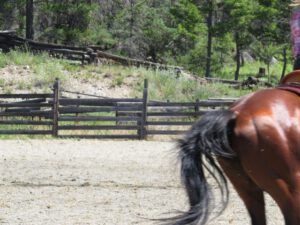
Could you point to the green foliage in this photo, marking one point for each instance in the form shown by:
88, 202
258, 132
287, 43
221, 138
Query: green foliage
3, 61
164, 85
68, 20
266, 52
98, 35
118, 80
172, 32
45, 69
188, 21
46, 73
142, 31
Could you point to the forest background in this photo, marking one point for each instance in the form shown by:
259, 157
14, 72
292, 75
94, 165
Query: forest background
208, 37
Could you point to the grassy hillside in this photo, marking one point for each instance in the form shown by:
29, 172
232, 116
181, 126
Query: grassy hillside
24, 72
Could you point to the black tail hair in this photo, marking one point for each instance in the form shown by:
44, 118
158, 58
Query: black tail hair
208, 137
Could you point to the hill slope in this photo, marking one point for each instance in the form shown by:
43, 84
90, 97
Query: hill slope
23, 72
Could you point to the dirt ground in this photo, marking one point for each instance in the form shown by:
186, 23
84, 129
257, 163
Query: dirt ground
22, 79
97, 182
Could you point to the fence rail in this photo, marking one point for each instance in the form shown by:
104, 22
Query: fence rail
85, 54
120, 118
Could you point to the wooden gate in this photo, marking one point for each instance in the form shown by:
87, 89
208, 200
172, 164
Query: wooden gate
122, 118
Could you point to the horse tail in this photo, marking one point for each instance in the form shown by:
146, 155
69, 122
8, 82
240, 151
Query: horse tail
208, 137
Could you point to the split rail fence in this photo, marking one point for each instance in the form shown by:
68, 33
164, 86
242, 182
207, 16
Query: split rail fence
122, 118
84, 54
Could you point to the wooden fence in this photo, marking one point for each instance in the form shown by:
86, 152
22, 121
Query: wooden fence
123, 118
30, 116
85, 54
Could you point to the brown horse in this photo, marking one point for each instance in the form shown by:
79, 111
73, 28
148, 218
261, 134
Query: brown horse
257, 144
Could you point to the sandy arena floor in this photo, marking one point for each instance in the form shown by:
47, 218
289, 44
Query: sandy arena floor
96, 182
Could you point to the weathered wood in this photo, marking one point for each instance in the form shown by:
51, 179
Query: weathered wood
169, 123
72, 109
172, 114
117, 115
7, 32
100, 136
135, 62
94, 101
203, 103
171, 104
28, 132
87, 54
139, 115
68, 51
21, 104
197, 106
84, 94
100, 48
165, 132
55, 108
21, 110
98, 118
224, 81
35, 100
47, 46
26, 95
142, 131
78, 58
96, 127
130, 114
40, 113
25, 122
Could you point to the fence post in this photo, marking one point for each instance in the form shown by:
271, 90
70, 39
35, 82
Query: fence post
55, 107
82, 59
143, 123
196, 108
117, 113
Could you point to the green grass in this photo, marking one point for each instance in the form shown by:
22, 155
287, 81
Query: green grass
23, 127
2, 82
251, 69
163, 85
46, 73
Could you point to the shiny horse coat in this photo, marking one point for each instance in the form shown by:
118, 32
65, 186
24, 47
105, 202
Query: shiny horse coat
257, 144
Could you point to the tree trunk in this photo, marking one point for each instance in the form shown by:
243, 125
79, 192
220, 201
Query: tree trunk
284, 63
29, 20
153, 55
242, 60
209, 21
238, 57
269, 77
131, 23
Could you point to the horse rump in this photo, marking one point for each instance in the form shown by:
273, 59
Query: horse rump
209, 137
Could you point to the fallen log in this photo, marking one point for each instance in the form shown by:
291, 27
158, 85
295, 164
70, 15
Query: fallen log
135, 62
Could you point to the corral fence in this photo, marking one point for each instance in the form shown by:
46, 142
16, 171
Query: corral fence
98, 54
123, 118
84, 54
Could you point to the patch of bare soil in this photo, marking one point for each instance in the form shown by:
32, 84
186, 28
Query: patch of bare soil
97, 182
21, 79
12, 76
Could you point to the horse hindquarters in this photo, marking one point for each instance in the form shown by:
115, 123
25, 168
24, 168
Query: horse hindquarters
207, 138
266, 139
210, 137
255, 172
248, 191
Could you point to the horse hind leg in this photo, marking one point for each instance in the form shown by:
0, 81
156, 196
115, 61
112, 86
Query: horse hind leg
249, 192
288, 201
